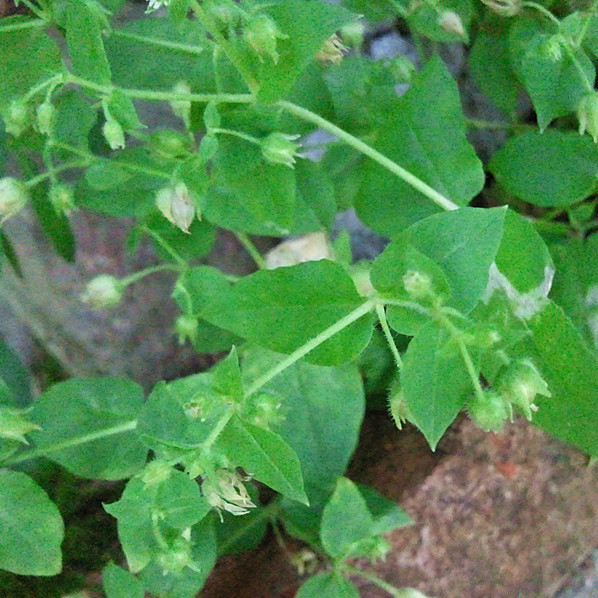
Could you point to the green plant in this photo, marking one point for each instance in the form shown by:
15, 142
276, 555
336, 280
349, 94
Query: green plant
464, 289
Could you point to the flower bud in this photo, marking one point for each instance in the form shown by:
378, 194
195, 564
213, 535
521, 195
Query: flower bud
102, 291
13, 424
182, 108
520, 383
587, 114
552, 48
225, 14
62, 198
488, 411
46, 115
16, 118
396, 404
173, 561
332, 51
186, 326
417, 284
264, 410
505, 8
13, 197
401, 68
352, 34
450, 21
261, 34
155, 472
177, 205
114, 134
279, 148
169, 144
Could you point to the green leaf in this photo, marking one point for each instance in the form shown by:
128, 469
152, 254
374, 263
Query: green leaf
425, 134
123, 110
227, 377
15, 376
118, 583
180, 414
266, 455
327, 585
88, 426
308, 25
31, 529
315, 198
550, 169
74, 119
552, 80
345, 520
571, 371
285, 308
373, 10
426, 19
239, 534
435, 382
386, 514
84, 40
490, 66
29, 56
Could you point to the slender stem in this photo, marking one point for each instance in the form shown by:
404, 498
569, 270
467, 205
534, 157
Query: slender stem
475, 123
542, 10
388, 334
162, 96
228, 48
252, 250
288, 361
52, 81
217, 429
166, 246
396, 592
40, 178
162, 43
147, 272
72, 442
22, 25
33, 8
239, 134
369, 151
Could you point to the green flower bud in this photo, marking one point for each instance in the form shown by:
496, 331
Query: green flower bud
587, 114
186, 326
46, 116
16, 118
182, 108
102, 291
261, 33
520, 383
417, 284
450, 22
13, 197
264, 410
505, 8
169, 144
488, 411
552, 48
396, 404
114, 134
173, 561
14, 426
177, 205
62, 198
402, 69
352, 34
279, 148
225, 14
155, 472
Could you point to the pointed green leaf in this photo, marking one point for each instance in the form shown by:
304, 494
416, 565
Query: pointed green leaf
386, 514
327, 585
31, 529
227, 377
119, 583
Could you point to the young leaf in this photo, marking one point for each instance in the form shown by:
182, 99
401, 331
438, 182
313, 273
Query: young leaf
285, 308
74, 119
265, 455
227, 377
88, 426
386, 514
426, 135
31, 529
550, 169
118, 583
327, 585
345, 520
123, 110
435, 381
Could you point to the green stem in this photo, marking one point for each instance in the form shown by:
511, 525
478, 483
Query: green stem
162, 43
396, 592
369, 151
166, 246
72, 442
542, 10
22, 25
475, 123
228, 48
143, 273
252, 250
239, 134
40, 178
34, 9
52, 81
388, 334
217, 429
295, 356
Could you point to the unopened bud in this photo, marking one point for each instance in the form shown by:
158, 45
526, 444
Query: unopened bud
62, 198
13, 197
102, 291
488, 411
352, 34
14, 425
587, 114
182, 108
177, 205
396, 404
450, 22
332, 51
186, 326
169, 144
262, 33
520, 384
16, 118
155, 472
177, 557
46, 115
114, 134
417, 284
505, 8
552, 48
279, 148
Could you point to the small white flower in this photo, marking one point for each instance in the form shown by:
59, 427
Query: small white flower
156, 4
226, 492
